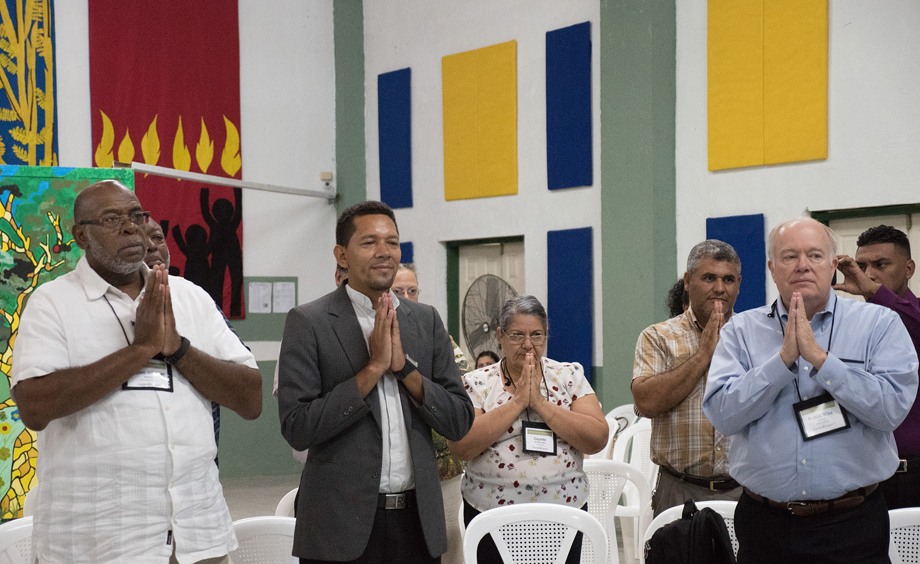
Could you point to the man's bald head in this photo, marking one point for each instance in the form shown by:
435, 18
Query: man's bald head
87, 201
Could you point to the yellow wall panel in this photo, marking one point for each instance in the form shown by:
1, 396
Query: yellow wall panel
480, 122
795, 80
735, 82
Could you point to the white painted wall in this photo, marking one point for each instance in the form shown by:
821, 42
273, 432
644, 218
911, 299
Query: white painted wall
873, 133
417, 34
287, 99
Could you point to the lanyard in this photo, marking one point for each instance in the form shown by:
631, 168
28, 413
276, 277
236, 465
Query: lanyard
774, 312
507, 380
123, 332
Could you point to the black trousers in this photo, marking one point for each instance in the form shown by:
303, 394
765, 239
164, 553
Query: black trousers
487, 553
767, 535
903, 489
396, 537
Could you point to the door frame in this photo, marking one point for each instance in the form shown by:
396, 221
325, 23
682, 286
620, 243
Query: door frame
453, 275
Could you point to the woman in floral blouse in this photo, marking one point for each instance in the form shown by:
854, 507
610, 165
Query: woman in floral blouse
552, 401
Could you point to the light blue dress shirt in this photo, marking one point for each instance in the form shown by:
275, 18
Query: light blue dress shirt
871, 370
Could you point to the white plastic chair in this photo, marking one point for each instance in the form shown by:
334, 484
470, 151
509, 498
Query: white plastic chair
286, 505
16, 541
724, 508
606, 480
618, 420
534, 532
264, 540
904, 544
633, 446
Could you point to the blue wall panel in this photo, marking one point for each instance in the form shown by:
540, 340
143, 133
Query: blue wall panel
408, 254
570, 283
394, 124
568, 107
746, 234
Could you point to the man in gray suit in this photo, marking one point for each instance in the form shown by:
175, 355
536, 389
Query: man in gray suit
363, 379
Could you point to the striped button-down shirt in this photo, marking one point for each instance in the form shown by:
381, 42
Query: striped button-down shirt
682, 439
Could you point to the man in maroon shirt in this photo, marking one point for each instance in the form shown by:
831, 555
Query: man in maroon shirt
879, 274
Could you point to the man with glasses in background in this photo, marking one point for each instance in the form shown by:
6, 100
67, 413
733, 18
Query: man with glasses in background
669, 376
115, 366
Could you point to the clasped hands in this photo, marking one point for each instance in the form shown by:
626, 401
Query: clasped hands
385, 344
155, 324
799, 339
527, 390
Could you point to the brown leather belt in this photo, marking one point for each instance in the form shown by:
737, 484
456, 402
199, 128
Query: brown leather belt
712, 484
807, 508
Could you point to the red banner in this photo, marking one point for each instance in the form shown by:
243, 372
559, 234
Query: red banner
165, 90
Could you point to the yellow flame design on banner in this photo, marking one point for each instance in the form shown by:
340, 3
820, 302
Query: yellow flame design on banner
104, 156
204, 151
182, 159
126, 148
230, 159
150, 144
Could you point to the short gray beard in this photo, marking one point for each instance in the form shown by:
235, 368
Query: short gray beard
112, 263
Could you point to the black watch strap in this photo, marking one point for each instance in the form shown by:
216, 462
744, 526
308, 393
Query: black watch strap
408, 368
180, 353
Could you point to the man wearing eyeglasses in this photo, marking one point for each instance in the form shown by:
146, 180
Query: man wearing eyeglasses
116, 365
669, 377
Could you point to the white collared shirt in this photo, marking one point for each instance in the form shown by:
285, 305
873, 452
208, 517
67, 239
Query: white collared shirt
396, 473
115, 477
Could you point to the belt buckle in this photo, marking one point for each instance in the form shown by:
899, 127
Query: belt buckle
792, 506
396, 501
902, 466
712, 486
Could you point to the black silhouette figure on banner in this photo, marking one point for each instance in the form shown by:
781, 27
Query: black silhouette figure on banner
195, 248
226, 251
164, 225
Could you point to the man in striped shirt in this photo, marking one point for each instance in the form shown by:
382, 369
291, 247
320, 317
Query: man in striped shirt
669, 377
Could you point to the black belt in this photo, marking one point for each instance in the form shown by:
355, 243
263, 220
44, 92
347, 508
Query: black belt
401, 500
807, 508
908, 465
712, 484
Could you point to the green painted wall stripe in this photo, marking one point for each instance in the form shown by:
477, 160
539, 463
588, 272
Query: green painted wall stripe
638, 234
350, 158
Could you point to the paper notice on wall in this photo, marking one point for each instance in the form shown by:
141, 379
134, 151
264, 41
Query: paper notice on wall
284, 297
260, 297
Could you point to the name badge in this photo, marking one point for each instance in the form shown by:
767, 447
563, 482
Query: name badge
820, 416
155, 375
538, 438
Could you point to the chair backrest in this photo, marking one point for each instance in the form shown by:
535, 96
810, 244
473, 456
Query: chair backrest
606, 480
264, 540
16, 541
534, 532
634, 446
904, 543
723, 507
286, 505
618, 420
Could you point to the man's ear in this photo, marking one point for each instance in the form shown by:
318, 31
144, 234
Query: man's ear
339, 253
79, 235
910, 268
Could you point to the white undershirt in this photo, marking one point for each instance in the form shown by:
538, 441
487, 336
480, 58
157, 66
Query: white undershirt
396, 474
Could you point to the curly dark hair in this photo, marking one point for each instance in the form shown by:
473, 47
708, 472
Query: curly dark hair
345, 227
884, 234
678, 298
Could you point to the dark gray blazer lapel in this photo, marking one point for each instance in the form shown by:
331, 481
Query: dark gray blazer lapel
348, 332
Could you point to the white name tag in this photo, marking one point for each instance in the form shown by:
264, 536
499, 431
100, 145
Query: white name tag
538, 438
155, 375
820, 416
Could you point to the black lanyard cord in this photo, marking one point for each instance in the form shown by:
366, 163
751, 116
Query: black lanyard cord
774, 311
123, 332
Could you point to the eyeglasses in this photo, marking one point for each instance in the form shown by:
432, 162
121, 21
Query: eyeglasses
114, 221
400, 293
518, 338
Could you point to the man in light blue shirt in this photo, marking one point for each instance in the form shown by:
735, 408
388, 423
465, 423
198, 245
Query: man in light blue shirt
811, 389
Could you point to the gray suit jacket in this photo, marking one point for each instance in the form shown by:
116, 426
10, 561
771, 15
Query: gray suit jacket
321, 410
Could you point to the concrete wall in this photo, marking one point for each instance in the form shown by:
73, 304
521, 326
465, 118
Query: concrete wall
873, 132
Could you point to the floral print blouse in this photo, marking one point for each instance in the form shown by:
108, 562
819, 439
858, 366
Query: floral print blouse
504, 474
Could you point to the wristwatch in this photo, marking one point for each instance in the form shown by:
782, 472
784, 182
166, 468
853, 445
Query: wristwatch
408, 368
180, 352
